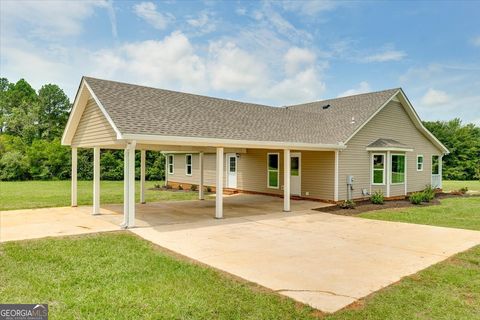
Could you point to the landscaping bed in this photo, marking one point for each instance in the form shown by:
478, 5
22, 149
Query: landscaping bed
367, 205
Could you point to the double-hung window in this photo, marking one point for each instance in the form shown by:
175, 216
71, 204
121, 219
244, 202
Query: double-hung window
170, 163
419, 163
378, 168
188, 164
398, 168
272, 167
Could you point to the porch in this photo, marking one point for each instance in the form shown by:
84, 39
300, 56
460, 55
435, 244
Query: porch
195, 211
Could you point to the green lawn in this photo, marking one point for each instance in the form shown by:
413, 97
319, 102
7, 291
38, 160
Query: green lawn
449, 185
461, 213
120, 276
39, 194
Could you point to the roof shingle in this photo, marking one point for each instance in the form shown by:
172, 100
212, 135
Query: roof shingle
143, 110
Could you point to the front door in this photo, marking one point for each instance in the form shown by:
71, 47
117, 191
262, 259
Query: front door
295, 174
231, 170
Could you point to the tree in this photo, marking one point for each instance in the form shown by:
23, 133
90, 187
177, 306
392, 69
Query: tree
463, 142
53, 109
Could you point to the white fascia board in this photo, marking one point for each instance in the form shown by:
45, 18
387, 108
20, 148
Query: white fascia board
212, 142
371, 117
102, 108
77, 111
389, 149
422, 127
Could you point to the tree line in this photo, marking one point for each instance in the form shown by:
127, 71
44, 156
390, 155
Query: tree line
32, 123
31, 127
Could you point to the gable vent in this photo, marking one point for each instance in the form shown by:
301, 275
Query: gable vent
326, 107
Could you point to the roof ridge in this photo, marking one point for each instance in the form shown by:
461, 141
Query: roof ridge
350, 96
182, 92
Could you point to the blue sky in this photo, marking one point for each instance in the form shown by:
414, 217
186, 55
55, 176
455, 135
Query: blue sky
275, 53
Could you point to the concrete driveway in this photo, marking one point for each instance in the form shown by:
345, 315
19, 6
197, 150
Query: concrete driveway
320, 259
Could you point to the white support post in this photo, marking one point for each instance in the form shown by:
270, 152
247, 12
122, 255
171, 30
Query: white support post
219, 185
166, 169
131, 185
143, 155
125, 188
286, 180
335, 187
406, 172
96, 180
387, 173
440, 169
74, 177
200, 183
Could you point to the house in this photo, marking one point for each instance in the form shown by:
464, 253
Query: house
328, 150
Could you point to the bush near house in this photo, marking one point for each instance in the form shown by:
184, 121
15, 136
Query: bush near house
377, 197
416, 197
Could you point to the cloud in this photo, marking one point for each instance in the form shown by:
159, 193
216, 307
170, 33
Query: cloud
309, 8
148, 12
203, 23
475, 41
50, 19
241, 11
386, 55
363, 87
297, 58
435, 97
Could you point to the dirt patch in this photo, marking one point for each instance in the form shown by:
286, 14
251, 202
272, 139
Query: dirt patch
366, 205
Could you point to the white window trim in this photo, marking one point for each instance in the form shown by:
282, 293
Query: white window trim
186, 164
384, 168
171, 164
423, 162
278, 170
391, 166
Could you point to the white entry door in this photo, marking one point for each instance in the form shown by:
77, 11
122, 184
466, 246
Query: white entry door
231, 170
296, 174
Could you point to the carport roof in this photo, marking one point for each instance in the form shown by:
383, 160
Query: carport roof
140, 110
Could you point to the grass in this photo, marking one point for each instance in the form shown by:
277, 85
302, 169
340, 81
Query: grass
120, 276
461, 213
40, 194
450, 185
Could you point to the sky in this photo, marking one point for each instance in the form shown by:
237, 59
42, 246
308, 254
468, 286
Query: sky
269, 52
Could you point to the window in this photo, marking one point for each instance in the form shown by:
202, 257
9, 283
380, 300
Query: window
170, 163
272, 163
435, 165
398, 168
419, 163
188, 164
378, 169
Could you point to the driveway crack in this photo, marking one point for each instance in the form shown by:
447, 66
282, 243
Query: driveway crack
316, 291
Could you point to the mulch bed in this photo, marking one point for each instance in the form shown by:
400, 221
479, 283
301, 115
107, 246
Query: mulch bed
366, 205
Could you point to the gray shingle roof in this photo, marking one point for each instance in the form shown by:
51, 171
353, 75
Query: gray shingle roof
386, 143
143, 110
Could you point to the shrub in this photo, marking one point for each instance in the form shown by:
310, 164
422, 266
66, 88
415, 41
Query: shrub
377, 197
347, 204
156, 185
428, 193
209, 189
193, 187
464, 190
180, 187
416, 197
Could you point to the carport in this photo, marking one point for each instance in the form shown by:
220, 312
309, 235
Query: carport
113, 115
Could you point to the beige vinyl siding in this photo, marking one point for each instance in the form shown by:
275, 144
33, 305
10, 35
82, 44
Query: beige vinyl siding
317, 172
390, 123
93, 128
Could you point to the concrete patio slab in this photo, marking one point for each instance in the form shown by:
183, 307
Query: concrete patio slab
50, 222
320, 259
